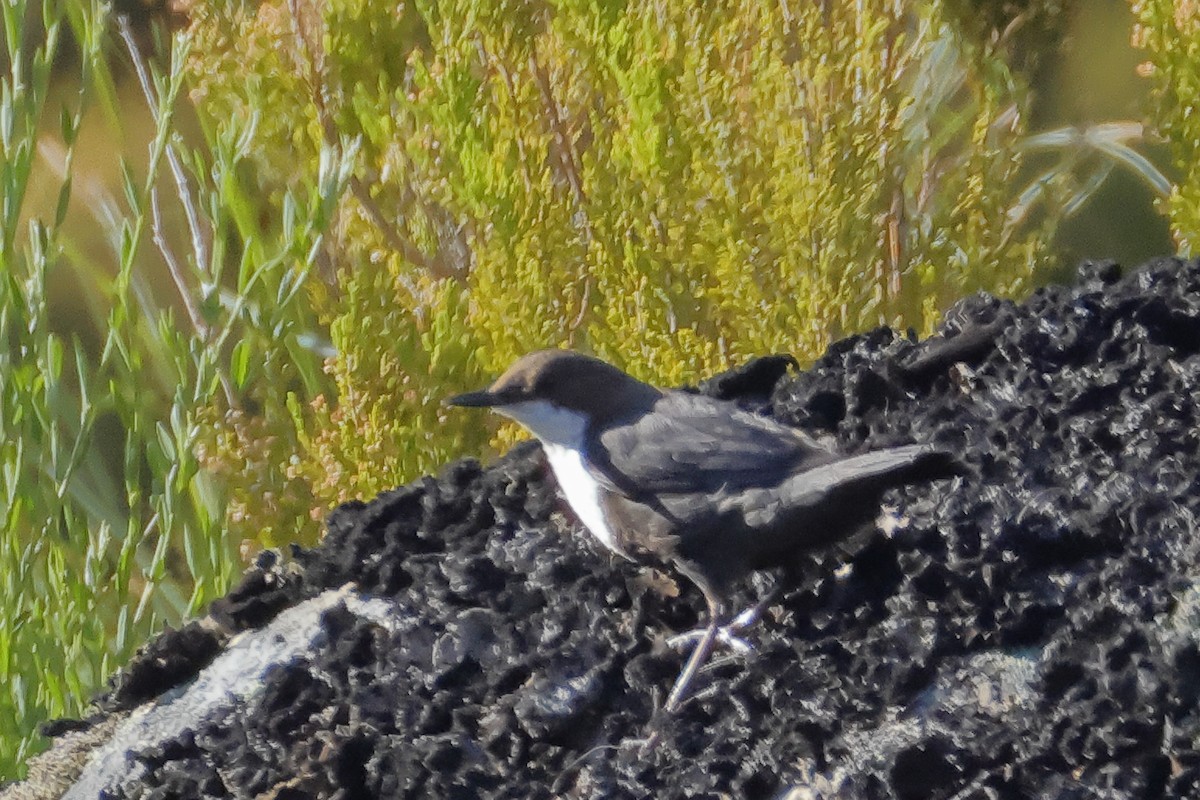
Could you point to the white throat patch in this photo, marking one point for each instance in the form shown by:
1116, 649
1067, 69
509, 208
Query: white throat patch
548, 422
561, 433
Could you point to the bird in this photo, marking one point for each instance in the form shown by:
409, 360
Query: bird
669, 476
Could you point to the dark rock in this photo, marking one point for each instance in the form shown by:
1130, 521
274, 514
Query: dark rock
1026, 632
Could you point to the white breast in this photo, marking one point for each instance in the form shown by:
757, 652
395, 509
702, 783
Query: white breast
561, 432
582, 492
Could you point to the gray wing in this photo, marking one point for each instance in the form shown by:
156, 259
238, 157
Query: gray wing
690, 443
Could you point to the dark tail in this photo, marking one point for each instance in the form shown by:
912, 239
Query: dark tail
847, 490
895, 466
875, 472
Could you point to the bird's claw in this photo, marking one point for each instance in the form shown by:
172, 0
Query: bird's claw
747, 618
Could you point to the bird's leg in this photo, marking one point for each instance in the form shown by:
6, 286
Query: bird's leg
726, 635
703, 650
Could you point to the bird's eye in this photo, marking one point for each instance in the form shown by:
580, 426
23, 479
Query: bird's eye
514, 392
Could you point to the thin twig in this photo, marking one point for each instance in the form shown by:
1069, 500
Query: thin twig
314, 56
511, 88
200, 246
571, 169
173, 265
566, 152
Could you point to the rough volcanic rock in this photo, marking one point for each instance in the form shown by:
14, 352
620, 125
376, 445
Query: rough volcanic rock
1031, 631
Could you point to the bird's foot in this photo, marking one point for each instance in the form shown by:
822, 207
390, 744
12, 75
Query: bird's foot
726, 635
707, 639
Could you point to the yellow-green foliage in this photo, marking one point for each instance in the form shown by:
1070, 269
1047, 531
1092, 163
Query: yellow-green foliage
672, 185
1169, 30
108, 525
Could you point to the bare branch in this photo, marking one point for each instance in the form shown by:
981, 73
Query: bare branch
158, 231
571, 170
314, 55
200, 241
201, 250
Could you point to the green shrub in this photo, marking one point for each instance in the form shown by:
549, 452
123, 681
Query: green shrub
1169, 30
673, 186
108, 529
111, 528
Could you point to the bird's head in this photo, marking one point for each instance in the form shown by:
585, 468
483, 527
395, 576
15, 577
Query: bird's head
556, 394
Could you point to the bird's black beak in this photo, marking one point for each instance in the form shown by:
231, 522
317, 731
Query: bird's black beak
480, 399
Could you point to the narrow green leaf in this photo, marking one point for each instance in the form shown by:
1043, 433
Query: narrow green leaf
240, 363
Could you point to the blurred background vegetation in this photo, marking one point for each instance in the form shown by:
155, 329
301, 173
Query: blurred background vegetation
247, 248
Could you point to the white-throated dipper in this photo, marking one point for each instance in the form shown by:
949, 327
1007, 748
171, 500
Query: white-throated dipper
693, 481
